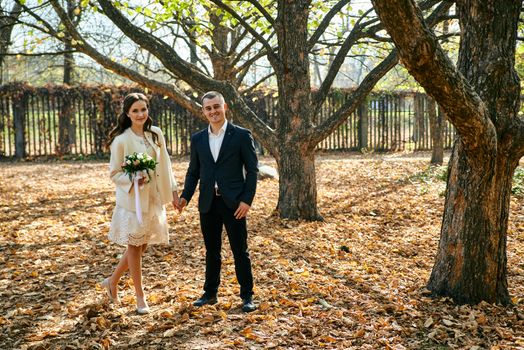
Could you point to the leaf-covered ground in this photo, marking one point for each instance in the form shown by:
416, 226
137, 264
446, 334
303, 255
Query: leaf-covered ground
354, 281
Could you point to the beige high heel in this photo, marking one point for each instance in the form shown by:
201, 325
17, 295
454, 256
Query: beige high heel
142, 310
107, 286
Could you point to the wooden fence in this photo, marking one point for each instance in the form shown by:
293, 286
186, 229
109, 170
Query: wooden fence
57, 120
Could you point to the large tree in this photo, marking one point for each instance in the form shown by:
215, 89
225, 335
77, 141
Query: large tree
286, 35
481, 97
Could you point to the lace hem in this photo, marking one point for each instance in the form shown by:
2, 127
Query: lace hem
126, 230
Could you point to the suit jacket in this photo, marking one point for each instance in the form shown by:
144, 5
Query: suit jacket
237, 153
125, 144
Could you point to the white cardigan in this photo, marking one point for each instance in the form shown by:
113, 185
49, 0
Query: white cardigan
125, 144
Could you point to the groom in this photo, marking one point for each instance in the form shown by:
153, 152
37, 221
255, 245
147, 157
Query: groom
219, 155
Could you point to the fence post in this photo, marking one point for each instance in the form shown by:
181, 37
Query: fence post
19, 119
363, 124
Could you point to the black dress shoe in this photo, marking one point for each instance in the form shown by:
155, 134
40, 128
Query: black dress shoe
206, 300
248, 305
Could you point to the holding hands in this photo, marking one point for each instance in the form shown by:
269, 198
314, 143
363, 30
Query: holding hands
176, 202
180, 204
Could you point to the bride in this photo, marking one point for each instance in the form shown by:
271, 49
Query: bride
134, 133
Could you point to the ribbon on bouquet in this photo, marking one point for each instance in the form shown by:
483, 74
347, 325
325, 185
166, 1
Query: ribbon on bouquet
137, 176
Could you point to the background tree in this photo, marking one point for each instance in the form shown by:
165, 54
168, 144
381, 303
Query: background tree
8, 19
436, 124
74, 13
481, 98
67, 134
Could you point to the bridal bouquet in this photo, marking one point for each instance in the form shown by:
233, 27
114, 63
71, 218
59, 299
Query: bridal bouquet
137, 166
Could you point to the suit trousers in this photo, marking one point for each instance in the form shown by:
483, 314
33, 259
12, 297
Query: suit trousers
211, 224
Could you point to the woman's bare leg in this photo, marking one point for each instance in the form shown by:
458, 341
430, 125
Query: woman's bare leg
134, 261
120, 269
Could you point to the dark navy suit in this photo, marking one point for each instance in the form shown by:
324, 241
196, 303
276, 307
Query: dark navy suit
237, 153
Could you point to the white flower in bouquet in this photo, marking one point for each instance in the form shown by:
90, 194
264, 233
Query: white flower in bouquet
138, 164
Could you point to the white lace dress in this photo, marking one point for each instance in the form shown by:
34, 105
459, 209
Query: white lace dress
125, 228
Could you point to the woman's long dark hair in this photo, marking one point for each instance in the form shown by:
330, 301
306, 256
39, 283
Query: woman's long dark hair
123, 122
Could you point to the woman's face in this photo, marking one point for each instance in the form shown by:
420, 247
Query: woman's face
138, 113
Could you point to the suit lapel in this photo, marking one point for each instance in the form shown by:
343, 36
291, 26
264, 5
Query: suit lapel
205, 145
230, 130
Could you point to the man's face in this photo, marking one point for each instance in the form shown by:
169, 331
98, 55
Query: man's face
214, 110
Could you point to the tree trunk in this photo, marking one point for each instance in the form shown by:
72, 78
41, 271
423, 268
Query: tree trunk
69, 60
297, 183
435, 124
66, 126
69, 63
482, 101
418, 128
471, 259
7, 22
296, 159
19, 115
223, 69
363, 125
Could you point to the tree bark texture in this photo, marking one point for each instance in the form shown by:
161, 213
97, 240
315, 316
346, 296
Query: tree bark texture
481, 99
471, 260
297, 184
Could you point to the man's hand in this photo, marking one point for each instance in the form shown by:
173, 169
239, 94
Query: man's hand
242, 210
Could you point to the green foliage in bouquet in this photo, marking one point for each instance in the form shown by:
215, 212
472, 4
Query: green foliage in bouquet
138, 162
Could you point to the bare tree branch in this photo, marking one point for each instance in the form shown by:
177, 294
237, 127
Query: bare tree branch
364, 88
326, 21
182, 69
263, 11
320, 96
254, 86
246, 25
237, 40
39, 54
430, 66
82, 46
355, 99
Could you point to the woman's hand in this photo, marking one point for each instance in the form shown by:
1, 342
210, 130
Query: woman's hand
143, 178
176, 202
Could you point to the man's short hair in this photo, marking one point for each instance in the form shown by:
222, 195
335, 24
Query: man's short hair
211, 95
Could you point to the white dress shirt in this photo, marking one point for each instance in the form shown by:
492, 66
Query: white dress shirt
215, 140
